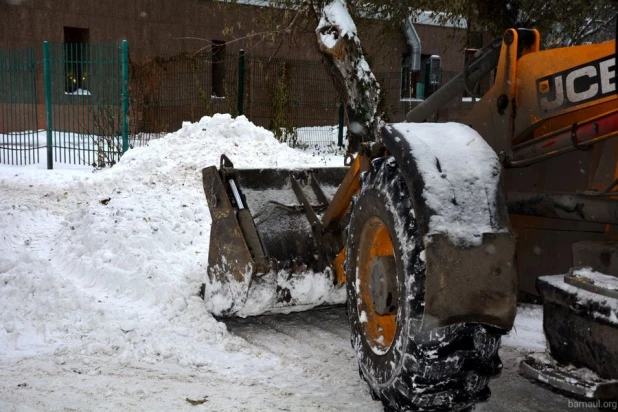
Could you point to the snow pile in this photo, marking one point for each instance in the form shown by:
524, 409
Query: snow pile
111, 262
461, 174
527, 333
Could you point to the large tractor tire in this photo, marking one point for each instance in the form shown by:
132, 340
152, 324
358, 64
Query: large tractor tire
405, 367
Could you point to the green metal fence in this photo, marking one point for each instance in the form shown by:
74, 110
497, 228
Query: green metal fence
165, 91
295, 99
19, 138
86, 102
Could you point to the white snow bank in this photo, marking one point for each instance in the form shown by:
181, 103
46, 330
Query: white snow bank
111, 262
527, 333
461, 173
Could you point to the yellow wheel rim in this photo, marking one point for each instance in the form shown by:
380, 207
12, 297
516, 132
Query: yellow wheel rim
374, 241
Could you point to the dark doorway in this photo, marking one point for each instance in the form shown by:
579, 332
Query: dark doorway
75, 56
218, 68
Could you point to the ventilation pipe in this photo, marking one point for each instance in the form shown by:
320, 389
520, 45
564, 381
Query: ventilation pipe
415, 44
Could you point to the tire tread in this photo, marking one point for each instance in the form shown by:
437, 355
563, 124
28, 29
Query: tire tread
445, 369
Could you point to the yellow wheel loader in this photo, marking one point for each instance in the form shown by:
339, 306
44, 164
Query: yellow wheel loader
425, 228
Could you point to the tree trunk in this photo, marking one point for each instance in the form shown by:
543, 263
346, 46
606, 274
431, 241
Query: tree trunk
356, 85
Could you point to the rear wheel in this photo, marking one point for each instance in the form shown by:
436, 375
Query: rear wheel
406, 368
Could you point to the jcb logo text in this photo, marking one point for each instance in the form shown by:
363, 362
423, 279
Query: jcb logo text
578, 85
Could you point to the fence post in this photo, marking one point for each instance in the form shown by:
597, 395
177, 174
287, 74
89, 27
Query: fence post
340, 134
241, 82
125, 96
48, 106
35, 100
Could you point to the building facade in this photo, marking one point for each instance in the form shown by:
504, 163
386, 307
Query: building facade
156, 28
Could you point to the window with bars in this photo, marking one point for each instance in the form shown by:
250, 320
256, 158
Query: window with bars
75, 55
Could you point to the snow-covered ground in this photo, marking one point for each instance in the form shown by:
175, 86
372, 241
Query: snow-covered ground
99, 280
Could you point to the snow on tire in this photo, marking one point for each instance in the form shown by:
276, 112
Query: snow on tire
406, 368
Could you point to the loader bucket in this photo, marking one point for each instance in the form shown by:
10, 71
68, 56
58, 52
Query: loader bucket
260, 225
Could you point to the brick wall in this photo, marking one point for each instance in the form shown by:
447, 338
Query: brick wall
163, 28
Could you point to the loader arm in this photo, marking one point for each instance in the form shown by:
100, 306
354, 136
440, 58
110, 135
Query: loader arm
552, 116
566, 101
339, 205
545, 103
338, 208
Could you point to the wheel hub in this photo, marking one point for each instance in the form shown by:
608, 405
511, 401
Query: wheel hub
383, 289
377, 277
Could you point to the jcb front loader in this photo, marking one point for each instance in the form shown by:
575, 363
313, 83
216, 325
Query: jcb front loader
417, 227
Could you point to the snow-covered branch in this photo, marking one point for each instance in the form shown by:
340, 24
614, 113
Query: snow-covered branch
343, 55
596, 26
